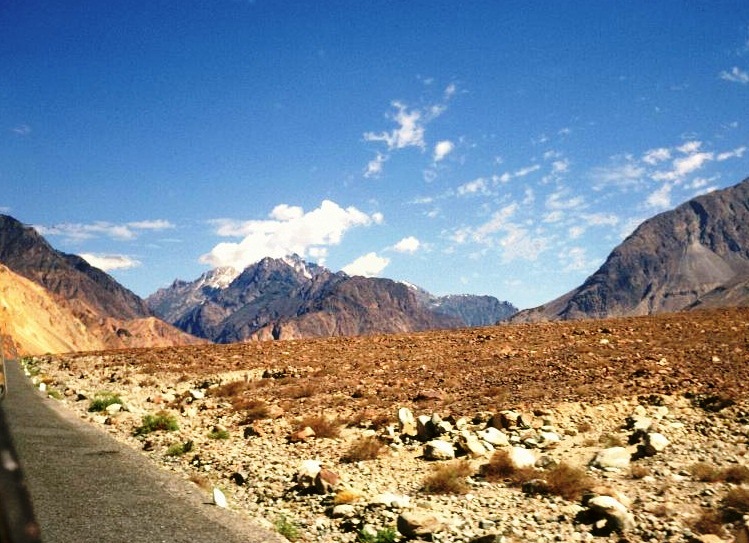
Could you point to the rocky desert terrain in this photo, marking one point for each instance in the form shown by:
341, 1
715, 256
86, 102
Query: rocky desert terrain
631, 429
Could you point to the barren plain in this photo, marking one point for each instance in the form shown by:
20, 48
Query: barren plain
667, 394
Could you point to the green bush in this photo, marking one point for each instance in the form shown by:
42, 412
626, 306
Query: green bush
386, 535
287, 528
178, 449
102, 400
160, 421
217, 433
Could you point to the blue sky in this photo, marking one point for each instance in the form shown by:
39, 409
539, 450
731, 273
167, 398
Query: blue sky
482, 147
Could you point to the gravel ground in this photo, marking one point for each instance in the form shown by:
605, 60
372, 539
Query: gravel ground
587, 383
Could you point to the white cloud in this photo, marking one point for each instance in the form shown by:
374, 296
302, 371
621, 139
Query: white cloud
22, 130
409, 133
661, 198
374, 168
575, 259
736, 75
522, 172
520, 244
369, 265
298, 232
654, 156
122, 232
690, 147
110, 262
560, 166
736, 153
285, 212
477, 186
483, 233
624, 173
407, 245
556, 201
442, 149
601, 219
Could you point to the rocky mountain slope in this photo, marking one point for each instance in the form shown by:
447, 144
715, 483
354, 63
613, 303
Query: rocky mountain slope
90, 290
289, 298
565, 431
56, 302
695, 255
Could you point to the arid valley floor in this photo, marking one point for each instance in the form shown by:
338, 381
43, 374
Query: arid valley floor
664, 396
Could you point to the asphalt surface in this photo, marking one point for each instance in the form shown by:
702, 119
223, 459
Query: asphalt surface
88, 488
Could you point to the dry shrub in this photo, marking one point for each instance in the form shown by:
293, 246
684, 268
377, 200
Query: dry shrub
297, 392
448, 478
367, 448
251, 410
584, 426
735, 504
201, 481
228, 390
705, 472
611, 440
501, 468
736, 474
563, 480
322, 425
638, 471
567, 481
709, 522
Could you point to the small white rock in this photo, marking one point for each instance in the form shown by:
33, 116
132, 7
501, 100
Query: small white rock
219, 499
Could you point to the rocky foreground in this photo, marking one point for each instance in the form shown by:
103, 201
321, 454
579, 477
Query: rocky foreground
620, 430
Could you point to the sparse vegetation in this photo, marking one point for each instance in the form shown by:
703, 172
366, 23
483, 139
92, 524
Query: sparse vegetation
102, 400
385, 535
367, 448
708, 473
709, 522
251, 409
735, 504
563, 480
218, 433
178, 449
287, 528
448, 478
638, 471
231, 389
322, 425
160, 421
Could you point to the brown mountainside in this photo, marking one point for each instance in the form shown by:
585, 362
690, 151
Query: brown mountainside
89, 290
38, 322
696, 255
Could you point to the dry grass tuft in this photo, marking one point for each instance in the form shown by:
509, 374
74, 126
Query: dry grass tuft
709, 522
251, 409
231, 389
708, 473
736, 474
567, 481
564, 480
501, 468
448, 478
638, 471
735, 504
322, 425
367, 448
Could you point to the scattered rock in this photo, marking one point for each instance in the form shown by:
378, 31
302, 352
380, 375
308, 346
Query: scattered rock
418, 523
219, 499
612, 458
439, 450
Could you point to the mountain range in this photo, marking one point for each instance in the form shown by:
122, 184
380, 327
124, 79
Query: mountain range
696, 255
288, 298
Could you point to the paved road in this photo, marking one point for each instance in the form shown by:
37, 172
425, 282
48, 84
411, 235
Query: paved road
88, 488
